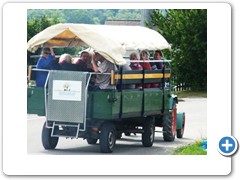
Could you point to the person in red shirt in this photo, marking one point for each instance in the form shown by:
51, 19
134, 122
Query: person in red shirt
84, 62
144, 55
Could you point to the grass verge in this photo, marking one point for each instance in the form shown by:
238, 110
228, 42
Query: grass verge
184, 94
192, 149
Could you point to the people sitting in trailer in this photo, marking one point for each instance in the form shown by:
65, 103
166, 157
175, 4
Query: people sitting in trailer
135, 66
157, 56
126, 67
144, 55
65, 62
46, 61
89, 61
157, 65
84, 63
100, 66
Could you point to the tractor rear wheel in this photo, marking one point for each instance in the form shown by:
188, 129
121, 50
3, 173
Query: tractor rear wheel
169, 124
148, 132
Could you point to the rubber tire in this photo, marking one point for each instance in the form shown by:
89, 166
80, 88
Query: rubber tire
107, 138
91, 140
168, 133
48, 141
149, 132
180, 132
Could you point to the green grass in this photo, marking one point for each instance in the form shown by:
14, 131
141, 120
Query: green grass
184, 94
192, 149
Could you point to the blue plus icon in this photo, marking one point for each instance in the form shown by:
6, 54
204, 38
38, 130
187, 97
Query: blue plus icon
227, 146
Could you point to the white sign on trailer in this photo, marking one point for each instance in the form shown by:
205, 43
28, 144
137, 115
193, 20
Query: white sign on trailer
67, 90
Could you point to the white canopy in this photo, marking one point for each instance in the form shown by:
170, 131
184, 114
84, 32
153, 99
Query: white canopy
110, 41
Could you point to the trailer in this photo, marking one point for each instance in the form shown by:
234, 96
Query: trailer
72, 110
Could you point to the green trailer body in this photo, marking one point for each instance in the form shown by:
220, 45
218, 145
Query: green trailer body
109, 105
126, 104
103, 114
36, 101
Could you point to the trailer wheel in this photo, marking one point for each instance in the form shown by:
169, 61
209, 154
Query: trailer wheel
107, 138
148, 132
91, 140
48, 141
180, 132
169, 125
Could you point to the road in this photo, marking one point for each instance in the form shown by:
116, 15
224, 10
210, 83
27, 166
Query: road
195, 129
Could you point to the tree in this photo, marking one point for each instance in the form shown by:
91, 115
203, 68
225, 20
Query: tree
186, 30
35, 26
128, 14
78, 16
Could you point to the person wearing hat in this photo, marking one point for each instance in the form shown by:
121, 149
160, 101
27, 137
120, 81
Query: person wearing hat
44, 62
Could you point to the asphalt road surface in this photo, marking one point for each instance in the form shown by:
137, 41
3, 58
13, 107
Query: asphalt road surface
195, 129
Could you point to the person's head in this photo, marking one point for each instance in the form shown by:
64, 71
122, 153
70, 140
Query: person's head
158, 55
84, 56
45, 52
144, 55
98, 57
134, 56
65, 58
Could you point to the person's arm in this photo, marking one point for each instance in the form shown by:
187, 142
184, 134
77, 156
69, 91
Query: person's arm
94, 64
52, 52
52, 55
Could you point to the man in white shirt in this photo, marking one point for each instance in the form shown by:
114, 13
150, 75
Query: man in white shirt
105, 66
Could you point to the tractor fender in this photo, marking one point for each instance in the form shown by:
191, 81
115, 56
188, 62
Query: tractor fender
180, 119
173, 99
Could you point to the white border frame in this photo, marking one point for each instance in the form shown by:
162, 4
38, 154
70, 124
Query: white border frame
16, 161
